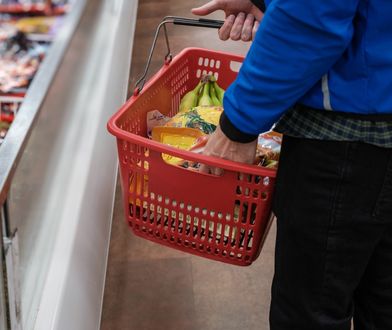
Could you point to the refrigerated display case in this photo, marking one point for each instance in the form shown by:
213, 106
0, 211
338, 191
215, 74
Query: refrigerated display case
35, 7
58, 169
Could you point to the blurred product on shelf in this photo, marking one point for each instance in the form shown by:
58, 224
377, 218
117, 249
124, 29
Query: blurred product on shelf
7, 30
39, 28
9, 106
19, 61
33, 2
36, 28
4, 126
47, 7
26, 30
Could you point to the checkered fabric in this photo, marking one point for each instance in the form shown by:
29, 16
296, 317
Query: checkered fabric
329, 125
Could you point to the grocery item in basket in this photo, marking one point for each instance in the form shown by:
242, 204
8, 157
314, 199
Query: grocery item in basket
178, 137
214, 97
206, 93
268, 149
219, 91
190, 99
154, 119
205, 96
197, 148
204, 118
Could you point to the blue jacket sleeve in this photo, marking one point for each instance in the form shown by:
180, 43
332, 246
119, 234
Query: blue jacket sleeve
297, 42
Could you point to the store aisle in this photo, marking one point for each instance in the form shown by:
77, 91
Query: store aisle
151, 287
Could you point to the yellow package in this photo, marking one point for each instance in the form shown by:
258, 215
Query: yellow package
178, 137
203, 118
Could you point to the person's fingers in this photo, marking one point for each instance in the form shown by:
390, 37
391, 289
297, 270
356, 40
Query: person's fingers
225, 30
210, 170
216, 171
255, 28
246, 34
206, 9
237, 27
204, 169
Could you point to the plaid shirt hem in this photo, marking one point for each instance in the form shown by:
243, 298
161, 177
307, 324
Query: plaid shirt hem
319, 125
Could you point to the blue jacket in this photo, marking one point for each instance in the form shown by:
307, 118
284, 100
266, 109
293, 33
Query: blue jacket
330, 55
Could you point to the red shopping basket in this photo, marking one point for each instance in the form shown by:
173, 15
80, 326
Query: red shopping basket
225, 218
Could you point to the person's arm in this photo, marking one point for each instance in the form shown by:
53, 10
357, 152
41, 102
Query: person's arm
297, 43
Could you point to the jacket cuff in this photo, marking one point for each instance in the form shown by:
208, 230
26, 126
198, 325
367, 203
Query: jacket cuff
259, 4
233, 133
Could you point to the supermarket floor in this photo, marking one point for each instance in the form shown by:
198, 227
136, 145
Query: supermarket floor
151, 287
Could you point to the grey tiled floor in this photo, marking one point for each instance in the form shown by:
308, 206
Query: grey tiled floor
151, 287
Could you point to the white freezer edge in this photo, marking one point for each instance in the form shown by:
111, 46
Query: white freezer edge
73, 290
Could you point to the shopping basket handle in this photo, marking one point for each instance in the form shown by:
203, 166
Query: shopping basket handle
176, 20
201, 22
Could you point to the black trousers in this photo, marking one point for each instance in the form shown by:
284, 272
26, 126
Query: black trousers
333, 261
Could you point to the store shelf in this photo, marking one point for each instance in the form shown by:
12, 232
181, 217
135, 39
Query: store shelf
16, 139
18, 9
39, 9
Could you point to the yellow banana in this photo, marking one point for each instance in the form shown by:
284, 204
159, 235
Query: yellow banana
214, 98
220, 92
205, 99
189, 100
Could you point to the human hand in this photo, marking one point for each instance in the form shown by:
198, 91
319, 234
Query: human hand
220, 146
242, 18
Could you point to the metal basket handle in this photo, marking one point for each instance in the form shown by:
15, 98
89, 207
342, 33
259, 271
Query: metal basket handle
201, 22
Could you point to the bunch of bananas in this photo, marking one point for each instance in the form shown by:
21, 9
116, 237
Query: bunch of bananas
206, 93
